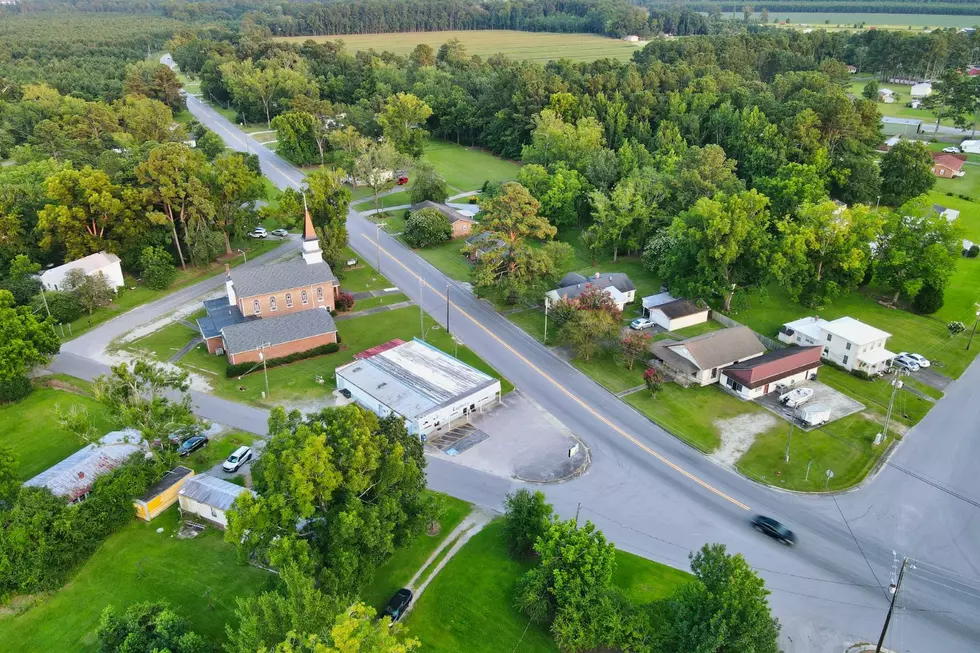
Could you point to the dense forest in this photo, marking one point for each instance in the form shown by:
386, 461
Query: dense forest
955, 7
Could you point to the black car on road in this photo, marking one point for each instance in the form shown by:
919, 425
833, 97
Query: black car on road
398, 604
774, 529
192, 444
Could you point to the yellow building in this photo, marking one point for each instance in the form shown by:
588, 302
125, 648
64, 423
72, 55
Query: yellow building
162, 495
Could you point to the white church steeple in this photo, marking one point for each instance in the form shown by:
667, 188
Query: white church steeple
311, 243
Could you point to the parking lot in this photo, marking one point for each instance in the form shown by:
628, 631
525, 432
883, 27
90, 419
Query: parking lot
840, 404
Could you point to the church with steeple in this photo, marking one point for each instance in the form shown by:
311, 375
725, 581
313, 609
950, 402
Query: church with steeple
276, 309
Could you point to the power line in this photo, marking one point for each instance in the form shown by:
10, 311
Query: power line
860, 548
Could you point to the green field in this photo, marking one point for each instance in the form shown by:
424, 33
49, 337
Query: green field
469, 606
466, 168
533, 46
844, 20
200, 578
30, 427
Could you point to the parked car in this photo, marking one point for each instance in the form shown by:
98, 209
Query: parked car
345, 392
918, 359
774, 529
282, 233
641, 323
258, 232
951, 150
905, 363
239, 457
796, 397
402, 180
398, 604
192, 444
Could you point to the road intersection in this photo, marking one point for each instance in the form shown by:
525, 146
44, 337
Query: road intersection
653, 495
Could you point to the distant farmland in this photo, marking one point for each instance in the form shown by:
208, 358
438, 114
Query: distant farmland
533, 46
899, 21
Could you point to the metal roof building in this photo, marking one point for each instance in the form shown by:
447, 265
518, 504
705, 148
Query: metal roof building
425, 386
74, 476
209, 497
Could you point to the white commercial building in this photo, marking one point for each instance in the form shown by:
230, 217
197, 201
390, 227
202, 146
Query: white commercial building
850, 343
104, 262
921, 90
423, 385
209, 498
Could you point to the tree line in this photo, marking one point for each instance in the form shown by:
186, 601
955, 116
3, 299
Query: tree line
953, 7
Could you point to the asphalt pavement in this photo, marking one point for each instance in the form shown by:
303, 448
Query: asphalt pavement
655, 496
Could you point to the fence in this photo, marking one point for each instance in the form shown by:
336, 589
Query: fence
730, 323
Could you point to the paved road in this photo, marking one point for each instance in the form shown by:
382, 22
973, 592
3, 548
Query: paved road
655, 496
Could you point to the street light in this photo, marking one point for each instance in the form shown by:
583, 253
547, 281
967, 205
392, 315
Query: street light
974, 332
242, 252
265, 371
377, 241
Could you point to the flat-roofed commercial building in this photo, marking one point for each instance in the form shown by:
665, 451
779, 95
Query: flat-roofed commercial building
425, 386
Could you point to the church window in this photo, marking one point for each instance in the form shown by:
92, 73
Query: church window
256, 307
273, 306
304, 297
289, 300
319, 294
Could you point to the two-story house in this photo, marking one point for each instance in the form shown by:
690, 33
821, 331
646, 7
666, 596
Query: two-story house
847, 342
276, 309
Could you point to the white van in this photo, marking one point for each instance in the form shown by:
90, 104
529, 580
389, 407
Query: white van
239, 457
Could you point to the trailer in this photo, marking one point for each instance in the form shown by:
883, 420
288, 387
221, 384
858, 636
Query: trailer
813, 415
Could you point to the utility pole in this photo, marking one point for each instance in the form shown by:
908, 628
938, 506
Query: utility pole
265, 371
896, 386
421, 312
377, 243
577, 511
448, 288
974, 331
45, 300
891, 607
790, 439
545, 341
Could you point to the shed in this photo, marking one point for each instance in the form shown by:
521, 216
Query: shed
678, 314
904, 126
93, 264
163, 494
209, 498
921, 90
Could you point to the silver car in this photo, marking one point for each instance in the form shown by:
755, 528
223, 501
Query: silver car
905, 363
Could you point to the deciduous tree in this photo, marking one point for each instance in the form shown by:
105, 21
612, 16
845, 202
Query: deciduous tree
93, 290
633, 346
427, 184
377, 168
402, 122
328, 200
588, 332
26, 341
234, 189
356, 630
87, 207
527, 516
906, 172
427, 227
147, 628
157, 267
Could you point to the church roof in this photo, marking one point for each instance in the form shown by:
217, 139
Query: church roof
294, 273
290, 327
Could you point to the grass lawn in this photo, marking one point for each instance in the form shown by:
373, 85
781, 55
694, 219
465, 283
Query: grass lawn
30, 427
923, 388
448, 259
844, 446
466, 168
385, 201
217, 450
135, 293
876, 394
395, 574
689, 413
139, 564
296, 382
533, 46
606, 369
393, 221
163, 343
360, 278
695, 330
448, 619
532, 321
968, 184
876, 20
384, 300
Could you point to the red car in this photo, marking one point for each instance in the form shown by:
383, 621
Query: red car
402, 180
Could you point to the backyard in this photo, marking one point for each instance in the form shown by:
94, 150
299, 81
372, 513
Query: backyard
448, 619
30, 426
533, 46
200, 578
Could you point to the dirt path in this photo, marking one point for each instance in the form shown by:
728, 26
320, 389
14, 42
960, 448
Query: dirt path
738, 434
470, 526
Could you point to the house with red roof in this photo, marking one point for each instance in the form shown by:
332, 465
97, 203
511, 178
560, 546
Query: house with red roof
947, 166
759, 376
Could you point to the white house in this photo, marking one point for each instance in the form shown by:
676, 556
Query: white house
699, 360
209, 498
921, 90
425, 386
673, 314
970, 147
850, 343
104, 262
631, 38
886, 95
617, 284
944, 212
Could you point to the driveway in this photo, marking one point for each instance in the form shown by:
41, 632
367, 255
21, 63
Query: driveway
840, 404
218, 472
932, 378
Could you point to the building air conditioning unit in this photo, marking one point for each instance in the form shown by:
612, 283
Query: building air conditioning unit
219, 351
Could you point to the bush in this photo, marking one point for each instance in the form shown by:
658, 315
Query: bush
158, 267
64, 306
240, 369
15, 389
929, 300
955, 327
527, 517
345, 301
973, 251
861, 374
427, 227
146, 627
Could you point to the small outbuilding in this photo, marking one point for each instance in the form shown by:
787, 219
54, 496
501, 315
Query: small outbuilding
904, 126
101, 262
209, 498
921, 90
782, 367
673, 314
163, 494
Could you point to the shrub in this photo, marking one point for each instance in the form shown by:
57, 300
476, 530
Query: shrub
527, 517
427, 227
653, 379
861, 374
955, 327
973, 251
15, 389
929, 300
345, 301
64, 306
240, 369
157, 266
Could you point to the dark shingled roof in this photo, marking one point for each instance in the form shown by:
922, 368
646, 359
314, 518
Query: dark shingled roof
220, 315
619, 280
679, 308
277, 330
446, 210
275, 277
169, 479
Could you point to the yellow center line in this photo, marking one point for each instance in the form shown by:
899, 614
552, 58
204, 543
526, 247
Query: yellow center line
568, 393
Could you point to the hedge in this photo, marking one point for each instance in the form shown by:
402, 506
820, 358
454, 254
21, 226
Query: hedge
240, 369
15, 389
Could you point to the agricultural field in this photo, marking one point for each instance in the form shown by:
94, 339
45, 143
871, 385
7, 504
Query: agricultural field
827, 20
532, 46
